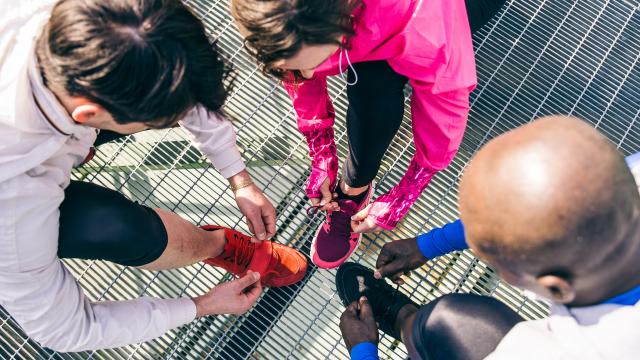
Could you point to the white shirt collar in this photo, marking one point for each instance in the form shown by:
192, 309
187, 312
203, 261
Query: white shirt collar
49, 106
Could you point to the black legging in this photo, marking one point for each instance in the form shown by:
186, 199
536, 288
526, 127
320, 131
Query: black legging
376, 105
97, 223
461, 327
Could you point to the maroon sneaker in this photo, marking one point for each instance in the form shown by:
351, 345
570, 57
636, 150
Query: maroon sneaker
334, 242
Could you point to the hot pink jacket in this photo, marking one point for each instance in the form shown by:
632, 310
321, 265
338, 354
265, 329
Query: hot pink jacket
428, 41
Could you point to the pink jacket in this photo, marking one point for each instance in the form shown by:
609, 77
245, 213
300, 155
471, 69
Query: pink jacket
428, 41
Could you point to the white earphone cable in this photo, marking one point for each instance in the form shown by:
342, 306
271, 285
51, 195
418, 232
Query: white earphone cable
345, 74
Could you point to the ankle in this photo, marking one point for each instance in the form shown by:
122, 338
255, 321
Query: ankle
217, 241
405, 318
352, 191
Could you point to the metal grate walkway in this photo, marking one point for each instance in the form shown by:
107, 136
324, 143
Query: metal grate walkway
535, 58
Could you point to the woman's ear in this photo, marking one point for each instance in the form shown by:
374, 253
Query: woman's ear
558, 289
85, 113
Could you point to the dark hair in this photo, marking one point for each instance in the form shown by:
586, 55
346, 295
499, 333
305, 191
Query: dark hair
142, 60
278, 28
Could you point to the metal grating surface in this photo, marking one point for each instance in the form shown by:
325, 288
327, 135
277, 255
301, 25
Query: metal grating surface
535, 58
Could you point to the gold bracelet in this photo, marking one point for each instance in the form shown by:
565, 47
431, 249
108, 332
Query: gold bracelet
242, 184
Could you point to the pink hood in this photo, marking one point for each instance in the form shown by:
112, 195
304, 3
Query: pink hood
427, 40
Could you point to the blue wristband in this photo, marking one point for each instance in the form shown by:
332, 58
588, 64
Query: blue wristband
441, 241
364, 351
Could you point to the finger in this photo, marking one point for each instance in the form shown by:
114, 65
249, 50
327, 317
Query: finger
246, 281
250, 226
258, 227
361, 215
269, 220
354, 225
401, 279
385, 257
365, 226
359, 228
332, 206
253, 292
372, 226
326, 196
253, 238
366, 312
391, 269
315, 201
352, 310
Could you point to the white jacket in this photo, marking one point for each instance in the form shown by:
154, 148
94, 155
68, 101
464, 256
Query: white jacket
606, 331
36, 158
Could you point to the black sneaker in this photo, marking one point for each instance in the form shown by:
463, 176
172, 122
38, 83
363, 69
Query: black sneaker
354, 281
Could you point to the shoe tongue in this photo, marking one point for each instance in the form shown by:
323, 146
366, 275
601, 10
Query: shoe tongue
240, 247
261, 258
378, 293
349, 207
341, 220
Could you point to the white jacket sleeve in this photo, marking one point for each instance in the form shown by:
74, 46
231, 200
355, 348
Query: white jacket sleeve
216, 139
41, 294
52, 309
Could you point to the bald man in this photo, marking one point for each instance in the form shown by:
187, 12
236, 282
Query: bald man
554, 208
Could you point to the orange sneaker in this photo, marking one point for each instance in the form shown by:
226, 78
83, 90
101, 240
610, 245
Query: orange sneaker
278, 265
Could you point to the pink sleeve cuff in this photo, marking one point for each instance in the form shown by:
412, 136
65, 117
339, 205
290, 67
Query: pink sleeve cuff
315, 116
391, 207
324, 159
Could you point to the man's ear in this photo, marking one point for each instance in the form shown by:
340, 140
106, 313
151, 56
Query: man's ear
559, 289
85, 112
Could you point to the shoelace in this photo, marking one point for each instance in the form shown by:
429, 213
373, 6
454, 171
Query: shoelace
379, 301
337, 220
393, 300
243, 252
312, 210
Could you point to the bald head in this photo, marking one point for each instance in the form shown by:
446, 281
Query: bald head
553, 197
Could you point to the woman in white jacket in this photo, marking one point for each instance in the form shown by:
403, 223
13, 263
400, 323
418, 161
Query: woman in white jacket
67, 70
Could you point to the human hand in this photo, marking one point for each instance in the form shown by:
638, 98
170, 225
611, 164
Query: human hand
398, 258
326, 202
357, 324
260, 213
234, 297
363, 223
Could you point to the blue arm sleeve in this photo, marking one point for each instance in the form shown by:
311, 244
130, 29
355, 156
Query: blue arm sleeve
441, 241
364, 351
